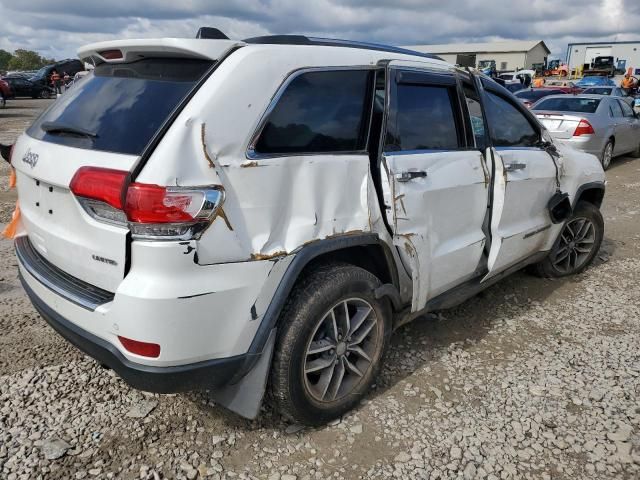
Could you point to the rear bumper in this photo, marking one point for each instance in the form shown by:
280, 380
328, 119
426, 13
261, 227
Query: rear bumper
201, 375
588, 144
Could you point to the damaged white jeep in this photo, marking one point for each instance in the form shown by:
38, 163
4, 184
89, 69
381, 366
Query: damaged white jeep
243, 215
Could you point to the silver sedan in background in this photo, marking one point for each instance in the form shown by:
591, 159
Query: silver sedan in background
604, 126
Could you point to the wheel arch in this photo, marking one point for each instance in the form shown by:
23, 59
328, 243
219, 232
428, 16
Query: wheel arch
364, 250
592, 192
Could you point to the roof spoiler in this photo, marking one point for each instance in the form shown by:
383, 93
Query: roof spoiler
211, 33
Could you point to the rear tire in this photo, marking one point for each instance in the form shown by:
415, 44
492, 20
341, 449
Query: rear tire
577, 245
3, 101
332, 337
607, 155
44, 93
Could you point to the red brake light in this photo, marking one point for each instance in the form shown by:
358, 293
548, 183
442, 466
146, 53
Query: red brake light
583, 128
140, 348
103, 184
154, 204
152, 212
111, 54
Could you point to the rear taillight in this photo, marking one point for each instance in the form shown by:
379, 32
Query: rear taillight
150, 211
583, 128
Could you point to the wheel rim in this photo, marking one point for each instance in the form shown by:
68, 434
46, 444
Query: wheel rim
606, 156
341, 350
576, 244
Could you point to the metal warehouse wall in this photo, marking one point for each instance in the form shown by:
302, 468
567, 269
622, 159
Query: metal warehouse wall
620, 51
513, 59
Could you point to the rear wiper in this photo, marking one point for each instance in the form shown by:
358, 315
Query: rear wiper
53, 127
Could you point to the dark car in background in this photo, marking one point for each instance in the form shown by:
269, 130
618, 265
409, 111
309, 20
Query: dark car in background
532, 95
70, 66
22, 87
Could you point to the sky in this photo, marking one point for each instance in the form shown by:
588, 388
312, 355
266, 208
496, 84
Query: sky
56, 28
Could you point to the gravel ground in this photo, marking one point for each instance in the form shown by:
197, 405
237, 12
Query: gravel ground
533, 379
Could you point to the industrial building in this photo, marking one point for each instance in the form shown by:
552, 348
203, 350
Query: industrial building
625, 54
512, 55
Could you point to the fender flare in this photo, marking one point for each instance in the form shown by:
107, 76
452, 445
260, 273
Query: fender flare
304, 255
598, 185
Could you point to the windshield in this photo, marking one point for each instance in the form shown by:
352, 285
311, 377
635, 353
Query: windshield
568, 104
119, 107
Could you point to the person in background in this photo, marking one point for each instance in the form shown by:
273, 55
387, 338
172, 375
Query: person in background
627, 83
65, 80
55, 81
538, 82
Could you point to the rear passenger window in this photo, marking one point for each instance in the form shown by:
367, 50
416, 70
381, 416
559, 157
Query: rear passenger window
323, 111
627, 111
424, 119
508, 126
615, 109
475, 115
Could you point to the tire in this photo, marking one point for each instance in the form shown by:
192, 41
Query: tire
636, 152
554, 266
314, 387
44, 93
3, 101
607, 155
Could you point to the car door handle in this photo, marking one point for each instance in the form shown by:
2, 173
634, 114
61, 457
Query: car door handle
410, 175
512, 167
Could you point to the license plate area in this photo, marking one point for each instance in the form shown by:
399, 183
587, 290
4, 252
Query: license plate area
45, 198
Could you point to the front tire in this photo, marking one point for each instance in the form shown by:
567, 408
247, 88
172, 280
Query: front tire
331, 342
577, 245
44, 93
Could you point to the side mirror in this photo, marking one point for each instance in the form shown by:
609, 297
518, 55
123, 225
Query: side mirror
559, 207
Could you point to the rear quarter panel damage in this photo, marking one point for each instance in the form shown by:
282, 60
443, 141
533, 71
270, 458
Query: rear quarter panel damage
273, 206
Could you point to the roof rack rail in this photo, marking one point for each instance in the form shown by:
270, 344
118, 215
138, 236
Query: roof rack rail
332, 42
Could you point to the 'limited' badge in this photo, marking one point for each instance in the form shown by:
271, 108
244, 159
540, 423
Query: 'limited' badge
30, 158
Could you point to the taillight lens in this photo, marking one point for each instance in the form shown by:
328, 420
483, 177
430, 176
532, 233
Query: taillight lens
103, 184
150, 211
583, 128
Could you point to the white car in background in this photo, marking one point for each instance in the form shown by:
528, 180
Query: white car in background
242, 215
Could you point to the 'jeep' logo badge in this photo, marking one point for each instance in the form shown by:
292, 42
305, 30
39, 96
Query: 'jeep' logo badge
30, 158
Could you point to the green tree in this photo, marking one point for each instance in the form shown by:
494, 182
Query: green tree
26, 60
5, 58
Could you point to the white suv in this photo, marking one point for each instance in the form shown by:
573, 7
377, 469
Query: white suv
237, 215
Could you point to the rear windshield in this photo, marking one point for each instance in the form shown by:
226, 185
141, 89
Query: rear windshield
568, 104
536, 94
119, 107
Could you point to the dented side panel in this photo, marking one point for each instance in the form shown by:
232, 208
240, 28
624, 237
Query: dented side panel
520, 222
438, 218
273, 206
